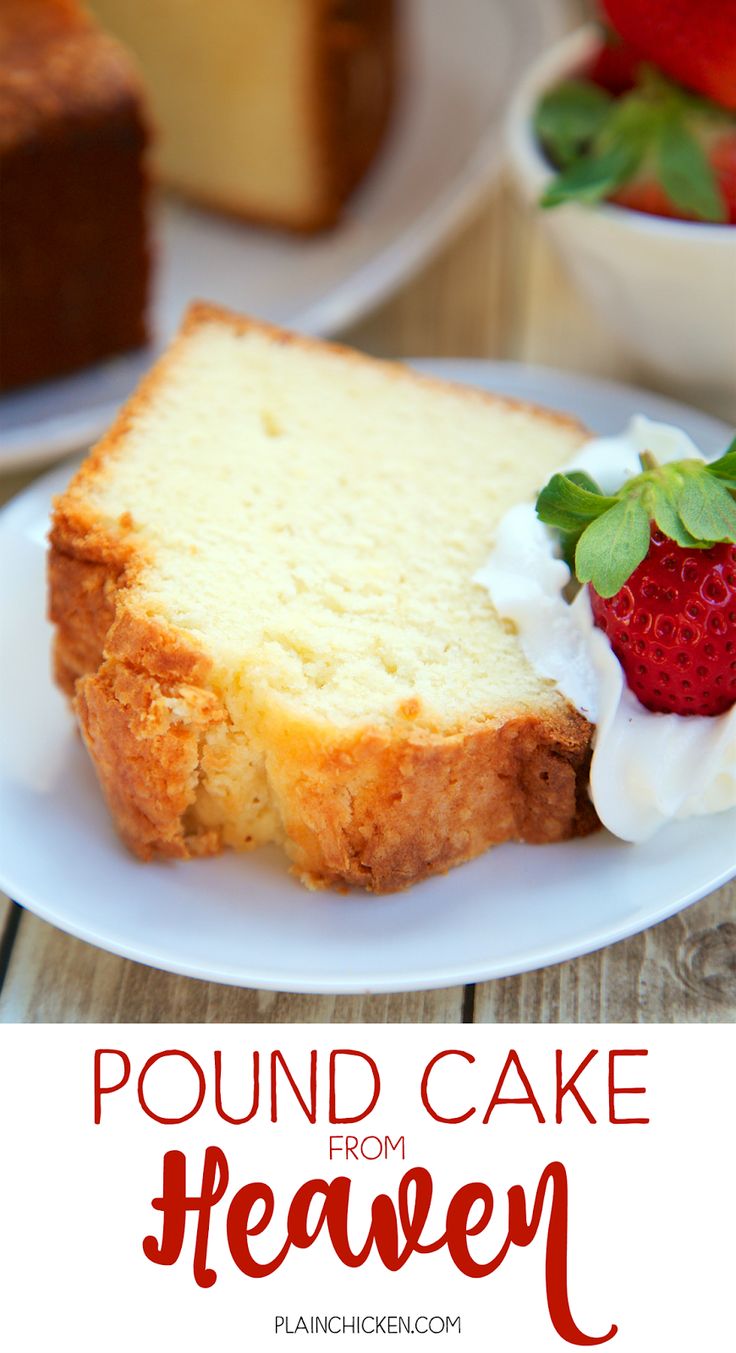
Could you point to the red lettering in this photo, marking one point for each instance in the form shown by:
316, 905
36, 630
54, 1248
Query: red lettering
157, 1057
310, 1110
614, 1089
101, 1089
569, 1086
253, 1110
337, 1204
528, 1098
298, 1220
385, 1220
395, 1230
522, 1232
414, 1221
174, 1203
354, 1118
438, 1117
240, 1227
458, 1229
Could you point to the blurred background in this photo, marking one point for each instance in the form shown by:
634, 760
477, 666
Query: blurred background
410, 227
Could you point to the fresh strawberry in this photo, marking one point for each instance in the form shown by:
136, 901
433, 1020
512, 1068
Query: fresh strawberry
722, 156
614, 66
692, 41
672, 627
659, 558
656, 149
644, 193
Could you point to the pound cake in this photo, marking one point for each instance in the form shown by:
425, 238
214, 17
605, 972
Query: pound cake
262, 582
273, 110
74, 277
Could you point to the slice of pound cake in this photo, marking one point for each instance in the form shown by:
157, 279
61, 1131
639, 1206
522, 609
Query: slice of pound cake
262, 582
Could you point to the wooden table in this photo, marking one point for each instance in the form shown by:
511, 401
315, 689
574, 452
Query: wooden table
496, 291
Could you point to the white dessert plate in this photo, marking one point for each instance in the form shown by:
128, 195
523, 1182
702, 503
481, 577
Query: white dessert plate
444, 148
243, 919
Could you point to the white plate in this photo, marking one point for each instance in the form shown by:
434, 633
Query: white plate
444, 148
242, 919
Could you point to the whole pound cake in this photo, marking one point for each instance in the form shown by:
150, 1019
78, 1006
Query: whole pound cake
262, 581
75, 265
270, 109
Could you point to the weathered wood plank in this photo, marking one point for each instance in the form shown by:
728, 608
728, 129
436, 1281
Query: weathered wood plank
5, 906
8, 926
454, 307
53, 978
553, 324
682, 971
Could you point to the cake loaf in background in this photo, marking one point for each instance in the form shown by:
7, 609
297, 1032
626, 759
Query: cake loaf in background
75, 264
272, 111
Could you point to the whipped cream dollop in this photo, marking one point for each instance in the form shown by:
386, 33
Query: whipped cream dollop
647, 768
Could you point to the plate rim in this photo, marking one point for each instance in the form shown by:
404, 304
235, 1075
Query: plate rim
469, 976
562, 951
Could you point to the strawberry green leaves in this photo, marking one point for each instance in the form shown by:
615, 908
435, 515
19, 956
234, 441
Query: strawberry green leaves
592, 178
569, 117
656, 132
725, 468
569, 504
667, 518
605, 537
686, 174
592, 166
706, 507
612, 546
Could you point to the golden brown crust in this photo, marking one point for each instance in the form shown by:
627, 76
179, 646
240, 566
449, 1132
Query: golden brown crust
382, 813
144, 739
82, 597
57, 66
138, 689
377, 810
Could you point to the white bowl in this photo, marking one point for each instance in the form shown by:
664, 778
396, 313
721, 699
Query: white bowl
667, 288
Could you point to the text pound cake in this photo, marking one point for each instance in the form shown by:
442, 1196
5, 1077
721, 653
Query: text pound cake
262, 582
272, 111
75, 264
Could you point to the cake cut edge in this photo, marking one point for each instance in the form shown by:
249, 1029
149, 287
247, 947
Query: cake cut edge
371, 808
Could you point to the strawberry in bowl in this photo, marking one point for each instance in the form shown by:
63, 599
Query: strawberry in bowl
637, 174
691, 169
623, 132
